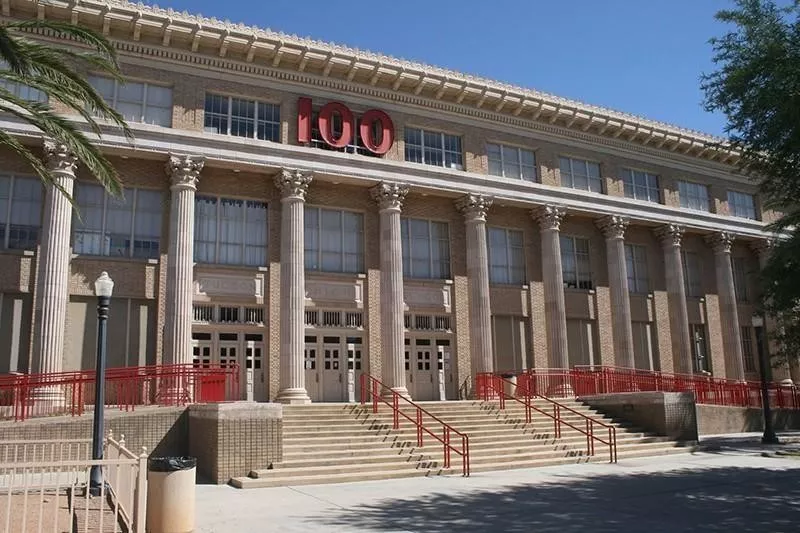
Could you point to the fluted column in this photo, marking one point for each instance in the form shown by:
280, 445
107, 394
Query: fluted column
293, 185
670, 236
549, 218
474, 207
613, 228
729, 314
53, 263
390, 197
184, 172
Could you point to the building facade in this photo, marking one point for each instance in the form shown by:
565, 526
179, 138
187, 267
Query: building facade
307, 210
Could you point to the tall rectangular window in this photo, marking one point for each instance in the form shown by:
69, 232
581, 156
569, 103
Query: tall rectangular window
230, 231
356, 145
580, 174
20, 212
426, 248
747, 349
693, 195
641, 185
121, 227
511, 162
692, 274
136, 101
506, 256
636, 263
240, 117
741, 205
433, 148
21, 90
739, 265
575, 264
334, 240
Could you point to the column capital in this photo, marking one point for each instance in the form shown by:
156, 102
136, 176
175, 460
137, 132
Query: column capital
293, 183
389, 195
613, 226
763, 247
474, 206
184, 170
549, 216
58, 157
670, 234
721, 241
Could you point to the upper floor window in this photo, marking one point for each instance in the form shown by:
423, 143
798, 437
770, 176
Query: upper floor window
240, 117
433, 148
575, 265
426, 248
230, 231
356, 146
580, 174
693, 195
334, 240
20, 212
136, 101
511, 162
747, 349
21, 90
506, 256
741, 205
692, 274
636, 263
641, 185
739, 265
122, 227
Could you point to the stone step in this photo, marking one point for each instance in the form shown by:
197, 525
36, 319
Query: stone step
311, 460
284, 481
296, 452
314, 470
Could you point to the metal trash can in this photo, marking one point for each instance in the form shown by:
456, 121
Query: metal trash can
170, 494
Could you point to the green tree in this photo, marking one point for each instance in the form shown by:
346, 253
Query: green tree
51, 69
757, 86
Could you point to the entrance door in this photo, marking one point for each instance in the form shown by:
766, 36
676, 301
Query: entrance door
228, 349
254, 360
201, 350
311, 366
700, 358
332, 372
424, 370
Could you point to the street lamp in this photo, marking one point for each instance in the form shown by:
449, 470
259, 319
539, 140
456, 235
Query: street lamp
103, 288
769, 436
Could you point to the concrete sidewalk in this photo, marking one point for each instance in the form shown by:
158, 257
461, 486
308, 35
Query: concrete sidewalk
729, 489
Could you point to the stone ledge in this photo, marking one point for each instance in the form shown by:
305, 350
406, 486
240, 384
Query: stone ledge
236, 410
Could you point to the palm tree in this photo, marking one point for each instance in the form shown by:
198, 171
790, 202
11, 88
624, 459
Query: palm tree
51, 70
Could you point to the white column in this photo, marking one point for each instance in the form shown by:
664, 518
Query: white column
183, 171
613, 228
474, 208
549, 218
729, 314
670, 236
293, 185
390, 197
53, 262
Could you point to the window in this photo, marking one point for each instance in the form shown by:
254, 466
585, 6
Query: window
692, 274
123, 227
506, 256
739, 265
230, 231
356, 146
21, 90
334, 240
137, 102
575, 263
580, 174
641, 185
20, 212
636, 262
433, 148
426, 248
693, 195
741, 205
747, 349
511, 162
227, 115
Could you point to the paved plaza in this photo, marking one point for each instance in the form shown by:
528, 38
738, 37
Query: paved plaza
732, 486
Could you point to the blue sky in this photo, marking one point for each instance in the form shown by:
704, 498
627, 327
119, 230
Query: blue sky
640, 56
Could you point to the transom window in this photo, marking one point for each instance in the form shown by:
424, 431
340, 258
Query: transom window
511, 162
641, 185
506, 256
580, 174
575, 265
739, 265
20, 90
230, 231
433, 148
334, 240
636, 263
136, 101
240, 117
692, 273
20, 212
693, 195
122, 227
741, 205
426, 248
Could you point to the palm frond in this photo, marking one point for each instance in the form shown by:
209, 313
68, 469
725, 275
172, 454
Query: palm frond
65, 29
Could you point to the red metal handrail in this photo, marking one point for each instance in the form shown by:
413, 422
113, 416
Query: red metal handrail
372, 389
492, 384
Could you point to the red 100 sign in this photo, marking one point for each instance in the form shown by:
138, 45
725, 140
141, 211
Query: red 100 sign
366, 127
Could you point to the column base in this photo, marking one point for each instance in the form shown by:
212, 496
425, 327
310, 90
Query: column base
402, 391
293, 396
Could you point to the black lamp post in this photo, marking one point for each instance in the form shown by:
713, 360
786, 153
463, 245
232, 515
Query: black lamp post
103, 287
769, 436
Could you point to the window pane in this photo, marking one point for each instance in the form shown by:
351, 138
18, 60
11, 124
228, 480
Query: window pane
205, 229
104, 86
216, 114
88, 237
119, 224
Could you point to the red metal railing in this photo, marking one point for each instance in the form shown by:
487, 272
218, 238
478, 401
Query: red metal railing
373, 390
494, 387
23, 396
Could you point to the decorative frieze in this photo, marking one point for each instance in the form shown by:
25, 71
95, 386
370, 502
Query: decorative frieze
334, 291
212, 285
429, 298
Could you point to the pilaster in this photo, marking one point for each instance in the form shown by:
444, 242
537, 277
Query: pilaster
671, 236
613, 228
721, 243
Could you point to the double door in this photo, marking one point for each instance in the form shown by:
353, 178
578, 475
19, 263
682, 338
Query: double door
427, 368
328, 358
227, 348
